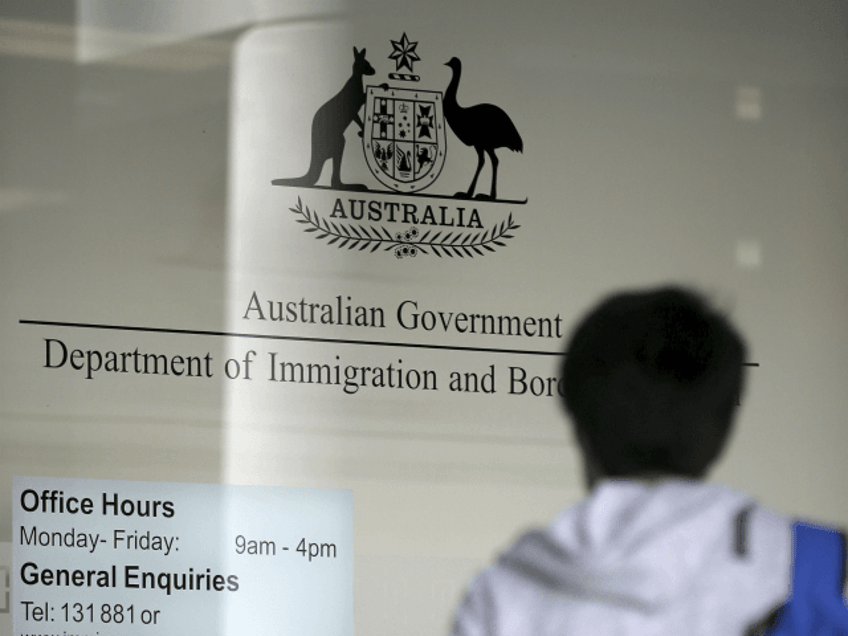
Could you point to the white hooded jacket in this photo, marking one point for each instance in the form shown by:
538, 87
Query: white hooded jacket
680, 557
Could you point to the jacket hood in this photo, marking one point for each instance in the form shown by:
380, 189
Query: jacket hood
631, 543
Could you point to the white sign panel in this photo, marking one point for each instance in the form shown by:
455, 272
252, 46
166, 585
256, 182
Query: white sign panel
146, 558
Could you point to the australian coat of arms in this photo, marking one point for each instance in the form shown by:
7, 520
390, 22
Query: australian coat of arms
404, 140
404, 137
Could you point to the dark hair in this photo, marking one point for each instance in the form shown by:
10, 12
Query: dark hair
652, 380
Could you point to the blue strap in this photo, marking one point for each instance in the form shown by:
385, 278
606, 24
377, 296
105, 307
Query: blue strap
816, 606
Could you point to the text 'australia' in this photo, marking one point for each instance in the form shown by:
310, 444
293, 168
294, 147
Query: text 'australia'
393, 212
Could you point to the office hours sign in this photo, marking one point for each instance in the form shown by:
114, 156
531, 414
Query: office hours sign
101, 557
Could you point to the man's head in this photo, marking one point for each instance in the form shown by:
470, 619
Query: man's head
652, 380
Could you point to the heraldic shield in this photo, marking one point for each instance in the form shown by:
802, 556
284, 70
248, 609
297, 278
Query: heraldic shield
404, 137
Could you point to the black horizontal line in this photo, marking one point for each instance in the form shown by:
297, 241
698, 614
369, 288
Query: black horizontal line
260, 336
230, 334
408, 194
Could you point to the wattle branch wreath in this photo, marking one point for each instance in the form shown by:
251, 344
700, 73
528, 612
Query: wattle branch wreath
408, 243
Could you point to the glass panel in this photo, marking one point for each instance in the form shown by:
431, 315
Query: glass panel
341, 245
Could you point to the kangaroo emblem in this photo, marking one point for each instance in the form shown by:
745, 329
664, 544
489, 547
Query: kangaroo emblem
329, 125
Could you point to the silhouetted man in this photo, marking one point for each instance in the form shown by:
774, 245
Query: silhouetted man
652, 380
